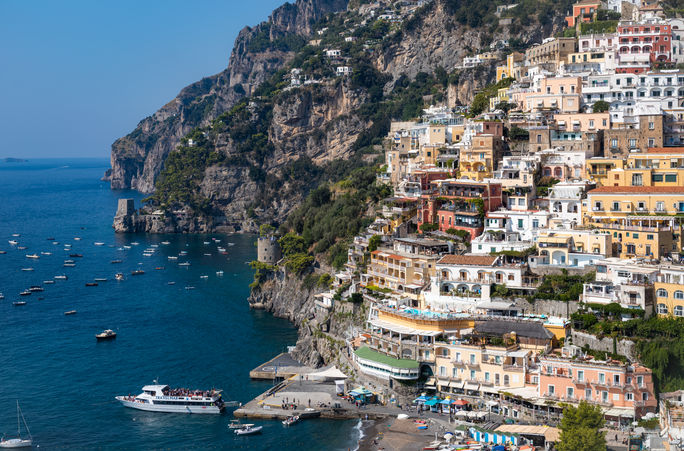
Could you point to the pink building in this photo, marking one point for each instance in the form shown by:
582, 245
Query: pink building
626, 390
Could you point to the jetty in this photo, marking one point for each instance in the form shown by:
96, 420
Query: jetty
282, 366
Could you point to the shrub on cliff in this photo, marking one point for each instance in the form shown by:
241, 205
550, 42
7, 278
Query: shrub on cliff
298, 263
291, 244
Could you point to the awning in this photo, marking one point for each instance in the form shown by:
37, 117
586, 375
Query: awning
469, 386
461, 402
446, 402
492, 403
432, 402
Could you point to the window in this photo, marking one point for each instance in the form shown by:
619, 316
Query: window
604, 396
661, 293
616, 206
454, 372
571, 392
644, 396
632, 143
640, 381
535, 223
651, 125
616, 396
602, 377
442, 371
580, 375
662, 309
616, 379
520, 223
670, 178
649, 237
660, 206
679, 311
458, 356
679, 294
651, 142
657, 178
587, 394
552, 389
487, 377
472, 375
472, 359
636, 235
614, 142
629, 396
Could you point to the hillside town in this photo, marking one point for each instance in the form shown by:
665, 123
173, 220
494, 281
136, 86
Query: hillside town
570, 170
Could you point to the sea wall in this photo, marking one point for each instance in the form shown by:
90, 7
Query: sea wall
548, 307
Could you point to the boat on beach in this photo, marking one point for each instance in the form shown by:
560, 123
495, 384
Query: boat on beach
162, 398
18, 442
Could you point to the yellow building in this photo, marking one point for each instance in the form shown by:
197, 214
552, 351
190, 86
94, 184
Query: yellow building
655, 167
630, 241
598, 169
669, 291
478, 161
501, 96
508, 70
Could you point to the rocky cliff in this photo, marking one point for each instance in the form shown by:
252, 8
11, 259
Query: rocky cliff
138, 157
322, 332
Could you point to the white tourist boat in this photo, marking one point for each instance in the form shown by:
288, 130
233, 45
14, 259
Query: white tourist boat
162, 398
18, 442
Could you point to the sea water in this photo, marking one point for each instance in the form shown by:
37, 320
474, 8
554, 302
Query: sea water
204, 337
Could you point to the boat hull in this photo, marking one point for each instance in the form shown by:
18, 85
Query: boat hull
16, 443
169, 408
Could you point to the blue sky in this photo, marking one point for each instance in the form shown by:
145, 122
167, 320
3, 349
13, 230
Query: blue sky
76, 75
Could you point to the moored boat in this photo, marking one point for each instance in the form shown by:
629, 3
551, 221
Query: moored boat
76, 255
251, 430
100, 279
34, 256
162, 398
27, 269
108, 334
70, 312
289, 421
137, 272
91, 284
25, 293
18, 303
18, 442
115, 261
119, 276
62, 277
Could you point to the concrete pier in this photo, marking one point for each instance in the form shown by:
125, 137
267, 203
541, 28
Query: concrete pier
282, 366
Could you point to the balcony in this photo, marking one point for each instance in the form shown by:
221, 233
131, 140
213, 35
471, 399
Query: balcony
579, 381
598, 383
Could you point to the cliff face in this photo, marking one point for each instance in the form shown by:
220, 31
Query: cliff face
138, 157
322, 332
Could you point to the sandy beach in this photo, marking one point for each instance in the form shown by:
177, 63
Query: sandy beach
394, 434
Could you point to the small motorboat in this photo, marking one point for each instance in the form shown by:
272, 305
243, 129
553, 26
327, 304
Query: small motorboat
76, 238
100, 279
189, 288
76, 255
106, 335
289, 421
48, 282
70, 312
207, 255
235, 424
27, 269
219, 273
18, 303
134, 243
207, 242
184, 264
69, 265
34, 256
2, 296
69, 261
204, 277
126, 247
159, 268
13, 242
62, 277
119, 276
98, 243
34, 288
91, 284
16, 235
115, 261
166, 243
170, 283
249, 430
3, 252
172, 257
52, 238
46, 253
137, 272
21, 248
25, 293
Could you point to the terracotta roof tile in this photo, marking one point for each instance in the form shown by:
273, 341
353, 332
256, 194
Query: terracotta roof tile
638, 190
472, 260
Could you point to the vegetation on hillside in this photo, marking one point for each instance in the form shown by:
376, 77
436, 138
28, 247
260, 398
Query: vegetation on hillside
581, 428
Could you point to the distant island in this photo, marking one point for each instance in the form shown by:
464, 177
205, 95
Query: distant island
13, 160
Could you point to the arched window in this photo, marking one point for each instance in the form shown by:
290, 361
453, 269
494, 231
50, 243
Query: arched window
679, 294
662, 309
679, 311
661, 293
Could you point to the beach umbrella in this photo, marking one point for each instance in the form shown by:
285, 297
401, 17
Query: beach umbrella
461, 402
